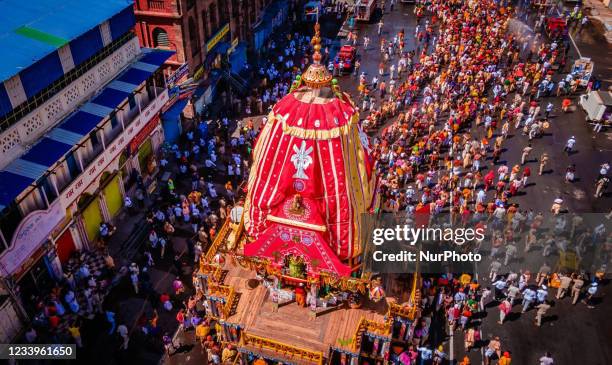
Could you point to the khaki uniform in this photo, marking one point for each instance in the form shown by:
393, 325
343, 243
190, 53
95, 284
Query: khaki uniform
566, 281
542, 309
543, 162
578, 284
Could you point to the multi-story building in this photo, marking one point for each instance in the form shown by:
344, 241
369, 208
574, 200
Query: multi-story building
79, 118
199, 30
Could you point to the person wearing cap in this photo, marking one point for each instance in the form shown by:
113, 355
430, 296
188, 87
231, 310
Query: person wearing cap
569, 145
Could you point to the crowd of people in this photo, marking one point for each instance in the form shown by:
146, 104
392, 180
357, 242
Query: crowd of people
58, 315
448, 107
452, 101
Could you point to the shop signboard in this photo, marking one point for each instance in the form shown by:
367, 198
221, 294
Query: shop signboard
33, 230
217, 38
178, 75
143, 134
112, 151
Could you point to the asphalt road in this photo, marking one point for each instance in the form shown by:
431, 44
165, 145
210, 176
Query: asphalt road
573, 334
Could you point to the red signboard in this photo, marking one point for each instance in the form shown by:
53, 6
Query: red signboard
143, 134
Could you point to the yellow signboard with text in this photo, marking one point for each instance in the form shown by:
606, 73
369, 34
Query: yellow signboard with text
217, 37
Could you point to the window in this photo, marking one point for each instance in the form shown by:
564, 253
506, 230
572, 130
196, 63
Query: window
156, 4
212, 10
45, 187
235, 9
95, 140
11, 216
160, 38
223, 12
252, 11
73, 166
193, 37
114, 120
132, 101
205, 25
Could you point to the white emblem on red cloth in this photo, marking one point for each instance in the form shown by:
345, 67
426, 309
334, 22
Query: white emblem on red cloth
301, 160
365, 141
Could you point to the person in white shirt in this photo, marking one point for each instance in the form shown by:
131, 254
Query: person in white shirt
569, 145
122, 330
547, 359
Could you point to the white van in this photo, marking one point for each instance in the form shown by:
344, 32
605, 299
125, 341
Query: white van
598, 106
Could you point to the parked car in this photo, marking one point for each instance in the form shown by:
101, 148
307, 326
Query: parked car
347, 55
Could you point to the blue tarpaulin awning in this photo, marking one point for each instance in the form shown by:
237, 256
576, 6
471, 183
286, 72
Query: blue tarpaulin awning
262, 31
46, 152
156, 56
239, 57
110, 98
171, 120
174, 112
81, 123
134, 76
11, 185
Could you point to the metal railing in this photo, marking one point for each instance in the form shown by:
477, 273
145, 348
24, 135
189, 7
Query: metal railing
288, 351
369, 326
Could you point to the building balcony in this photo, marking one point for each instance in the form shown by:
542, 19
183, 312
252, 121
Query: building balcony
70, 157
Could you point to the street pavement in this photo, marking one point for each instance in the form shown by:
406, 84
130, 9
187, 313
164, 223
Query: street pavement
573, 334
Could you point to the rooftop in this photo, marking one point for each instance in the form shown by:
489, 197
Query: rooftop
28, 168
30, 30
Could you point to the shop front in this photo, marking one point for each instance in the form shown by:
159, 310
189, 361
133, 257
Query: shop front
91, 215
34, 276
65, 246
145, 154
30, 235
112, 192
171, 121
143, 146
10, 319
